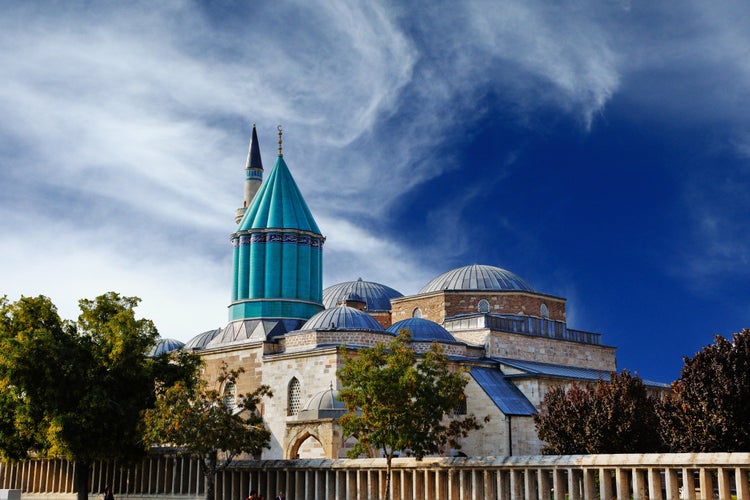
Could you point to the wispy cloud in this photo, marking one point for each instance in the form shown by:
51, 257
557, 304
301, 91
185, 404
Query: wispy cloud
125, 124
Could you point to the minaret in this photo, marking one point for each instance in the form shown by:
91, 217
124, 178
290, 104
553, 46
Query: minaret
278, 252
253, 175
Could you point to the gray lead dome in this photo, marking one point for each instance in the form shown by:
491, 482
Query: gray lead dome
342, 318
377, 297
477, 277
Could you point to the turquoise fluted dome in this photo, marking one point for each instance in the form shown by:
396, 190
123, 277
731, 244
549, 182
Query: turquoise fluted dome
278, 254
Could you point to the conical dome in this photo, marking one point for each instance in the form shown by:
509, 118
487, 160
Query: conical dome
278, 255
279, 204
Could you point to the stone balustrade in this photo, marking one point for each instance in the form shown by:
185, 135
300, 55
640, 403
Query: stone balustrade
649, 476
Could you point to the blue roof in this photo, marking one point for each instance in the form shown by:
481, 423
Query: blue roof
342, 318
279, 204
422, 330
163, 346
503, 392
201, 340
377, 297
477, 277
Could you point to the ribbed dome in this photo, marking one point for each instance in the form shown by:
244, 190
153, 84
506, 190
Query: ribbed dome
279, 204
324, 404
326, 400
377, 297
422, 330
163, 346
201, 340
342, 318
477, 277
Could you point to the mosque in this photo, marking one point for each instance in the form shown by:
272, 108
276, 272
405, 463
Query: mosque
285, 330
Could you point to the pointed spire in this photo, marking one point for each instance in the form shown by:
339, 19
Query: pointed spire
253, 175
253, 153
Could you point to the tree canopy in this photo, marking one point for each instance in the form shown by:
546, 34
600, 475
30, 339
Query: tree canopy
616, 416
206, 424
399, 402
76, 389
708, 407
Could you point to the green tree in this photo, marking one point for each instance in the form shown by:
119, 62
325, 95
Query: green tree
398, 402
205, 424
74, 389
707, 408
618, 416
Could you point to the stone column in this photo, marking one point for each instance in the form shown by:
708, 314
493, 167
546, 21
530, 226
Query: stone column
654, 483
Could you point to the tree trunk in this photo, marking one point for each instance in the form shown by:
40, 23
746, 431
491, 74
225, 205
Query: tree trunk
210, 465
82, 480
387, 494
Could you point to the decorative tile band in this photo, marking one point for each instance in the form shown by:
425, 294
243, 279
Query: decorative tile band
277, 237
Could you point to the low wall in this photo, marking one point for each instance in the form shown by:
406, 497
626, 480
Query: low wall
653, 476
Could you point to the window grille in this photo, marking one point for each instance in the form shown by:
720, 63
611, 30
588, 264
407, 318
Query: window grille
294, 397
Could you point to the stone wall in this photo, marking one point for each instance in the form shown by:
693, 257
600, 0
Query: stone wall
549, 350
436, 306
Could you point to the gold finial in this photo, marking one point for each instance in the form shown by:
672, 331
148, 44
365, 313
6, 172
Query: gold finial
279, 129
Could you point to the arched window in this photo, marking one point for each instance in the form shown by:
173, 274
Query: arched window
544, 311
417, 313
230, 395
293, 397
483, 306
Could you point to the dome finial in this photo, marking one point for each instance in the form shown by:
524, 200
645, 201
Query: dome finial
280, 131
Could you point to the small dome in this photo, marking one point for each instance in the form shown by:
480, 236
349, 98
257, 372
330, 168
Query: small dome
477, 277
201, 340
376, 296
422, 330
164, 346
342, 318
325, 404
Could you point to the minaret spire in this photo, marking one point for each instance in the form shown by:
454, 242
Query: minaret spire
253, 175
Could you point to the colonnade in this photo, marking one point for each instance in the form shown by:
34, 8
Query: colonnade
690, 476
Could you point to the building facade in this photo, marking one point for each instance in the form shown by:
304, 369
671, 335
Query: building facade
284, 330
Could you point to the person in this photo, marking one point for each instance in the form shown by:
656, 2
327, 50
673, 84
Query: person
253, 495
280, 496
108, 493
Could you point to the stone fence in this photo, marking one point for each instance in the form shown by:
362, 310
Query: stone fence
723, 476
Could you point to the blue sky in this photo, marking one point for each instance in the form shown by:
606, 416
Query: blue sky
600, 150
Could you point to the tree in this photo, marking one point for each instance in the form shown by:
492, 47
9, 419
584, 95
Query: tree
74, 389
707, 408
398, 403
205, 424
618, 416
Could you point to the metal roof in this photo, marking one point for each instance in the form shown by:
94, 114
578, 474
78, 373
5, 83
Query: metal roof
477, 277
163, 346
342, 318
377, 297
201, 340
552, 370
503, 392
422, 330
